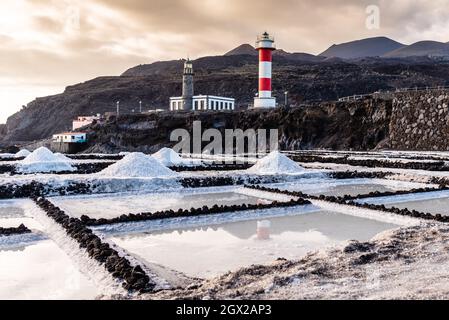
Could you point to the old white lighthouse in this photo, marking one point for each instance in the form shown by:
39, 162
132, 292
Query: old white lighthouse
188, 101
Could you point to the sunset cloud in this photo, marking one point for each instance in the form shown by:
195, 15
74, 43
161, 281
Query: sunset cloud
54, 43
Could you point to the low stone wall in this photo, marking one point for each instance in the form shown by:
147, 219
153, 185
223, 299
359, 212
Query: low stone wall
420, 121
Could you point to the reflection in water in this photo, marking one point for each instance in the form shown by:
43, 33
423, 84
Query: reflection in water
209, 251
263, 230
41, 271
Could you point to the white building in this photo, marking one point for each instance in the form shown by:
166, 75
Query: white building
70, 137
83, 121
188, 101
204, 103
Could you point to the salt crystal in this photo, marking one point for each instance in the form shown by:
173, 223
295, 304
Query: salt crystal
138, 165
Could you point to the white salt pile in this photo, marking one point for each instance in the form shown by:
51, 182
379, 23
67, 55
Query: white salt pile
168, 157
138, 165
276, 163
22, 153
43, 160
62, 157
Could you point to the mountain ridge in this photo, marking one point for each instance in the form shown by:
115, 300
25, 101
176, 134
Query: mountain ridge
421, 48
369, 47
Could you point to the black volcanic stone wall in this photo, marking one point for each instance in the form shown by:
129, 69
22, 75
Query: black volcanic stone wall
11, 159
377, 194
81, 168
341, 175
37, 189
373, 163
133, 277
343, 201
420, 121
212, 167
224, 181
14, 231
112, 157
194, 212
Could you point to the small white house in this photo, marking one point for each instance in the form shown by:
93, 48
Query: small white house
83, 121
70, 137
204, 103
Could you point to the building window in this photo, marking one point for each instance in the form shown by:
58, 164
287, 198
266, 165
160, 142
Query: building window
196, 105
221, 105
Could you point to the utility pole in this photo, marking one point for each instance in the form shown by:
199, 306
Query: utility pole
118, 108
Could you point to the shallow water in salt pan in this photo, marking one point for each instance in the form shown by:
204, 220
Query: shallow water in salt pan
434, 206
343, 187
432, 202
12, 215
210, 251
41, 271
113, 206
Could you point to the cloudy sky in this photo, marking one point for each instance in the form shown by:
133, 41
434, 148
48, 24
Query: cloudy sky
46, 45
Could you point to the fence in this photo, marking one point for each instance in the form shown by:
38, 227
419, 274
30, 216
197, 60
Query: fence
415, 89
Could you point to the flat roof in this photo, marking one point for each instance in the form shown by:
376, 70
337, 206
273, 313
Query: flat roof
204, 96
69, 133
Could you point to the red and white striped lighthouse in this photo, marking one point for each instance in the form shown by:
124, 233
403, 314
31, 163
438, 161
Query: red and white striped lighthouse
265, 46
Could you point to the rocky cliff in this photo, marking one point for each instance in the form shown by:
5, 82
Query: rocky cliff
401, 121
356, 125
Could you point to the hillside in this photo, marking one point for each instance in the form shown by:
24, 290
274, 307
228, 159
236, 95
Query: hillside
247, 49
371, 47
242, 49
306, 77
422, 48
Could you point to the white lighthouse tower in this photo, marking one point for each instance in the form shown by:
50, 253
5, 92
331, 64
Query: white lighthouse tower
265, 46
